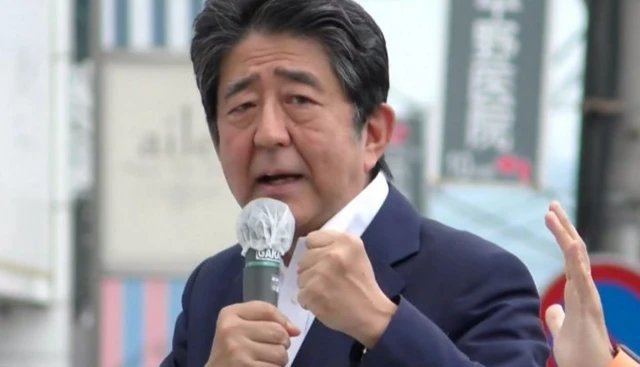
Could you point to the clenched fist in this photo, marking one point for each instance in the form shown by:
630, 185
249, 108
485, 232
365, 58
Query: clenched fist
252, 334
338, 285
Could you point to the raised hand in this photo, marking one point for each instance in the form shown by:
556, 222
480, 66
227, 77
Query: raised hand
579, 332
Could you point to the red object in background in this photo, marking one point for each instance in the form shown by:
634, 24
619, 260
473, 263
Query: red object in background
606, 274
401, 134
513, 165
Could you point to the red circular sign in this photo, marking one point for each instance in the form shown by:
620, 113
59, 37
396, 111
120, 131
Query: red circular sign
605, 271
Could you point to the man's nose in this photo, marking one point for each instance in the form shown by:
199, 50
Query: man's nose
271, 129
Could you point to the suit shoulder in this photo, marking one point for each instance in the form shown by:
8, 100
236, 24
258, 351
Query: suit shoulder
475, 268
467, 248
222, 261
213, 267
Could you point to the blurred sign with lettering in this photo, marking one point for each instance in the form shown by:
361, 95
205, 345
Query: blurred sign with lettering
164, 203
406, 158
492, 119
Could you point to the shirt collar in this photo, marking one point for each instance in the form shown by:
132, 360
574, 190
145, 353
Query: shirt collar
355, 217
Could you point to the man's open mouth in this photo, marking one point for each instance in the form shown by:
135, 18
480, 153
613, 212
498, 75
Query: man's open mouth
278, 179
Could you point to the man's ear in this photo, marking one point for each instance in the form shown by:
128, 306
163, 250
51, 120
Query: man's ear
377, 134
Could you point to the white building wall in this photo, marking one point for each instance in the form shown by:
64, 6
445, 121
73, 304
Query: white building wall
39, 335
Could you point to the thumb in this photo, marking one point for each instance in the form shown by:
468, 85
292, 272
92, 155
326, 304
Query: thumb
554, 316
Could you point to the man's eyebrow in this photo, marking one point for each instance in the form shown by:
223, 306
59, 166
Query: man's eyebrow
301, 77
239, 85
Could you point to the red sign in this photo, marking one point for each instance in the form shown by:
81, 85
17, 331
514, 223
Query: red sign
619, 288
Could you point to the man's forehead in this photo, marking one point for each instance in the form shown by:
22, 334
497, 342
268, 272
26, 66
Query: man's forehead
301, 76
260, 53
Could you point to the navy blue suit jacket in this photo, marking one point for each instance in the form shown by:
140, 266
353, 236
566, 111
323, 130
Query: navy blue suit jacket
462, 302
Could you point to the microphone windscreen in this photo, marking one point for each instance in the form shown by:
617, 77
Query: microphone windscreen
266, 223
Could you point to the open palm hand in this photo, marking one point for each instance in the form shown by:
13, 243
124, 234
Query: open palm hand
579, 331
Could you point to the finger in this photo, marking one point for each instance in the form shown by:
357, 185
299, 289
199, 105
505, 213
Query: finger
554, 316
261, 311
564, 220
293, 330
577, 240
577, 260
572, 301
266, 332
310, 258
321, 238
563, 238
270, 355
313, 272
265, 364
307, 294
305, 276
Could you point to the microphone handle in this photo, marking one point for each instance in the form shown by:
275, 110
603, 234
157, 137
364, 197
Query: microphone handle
261, 276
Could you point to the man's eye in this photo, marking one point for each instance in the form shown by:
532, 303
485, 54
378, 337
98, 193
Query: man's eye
243, 107
299, 100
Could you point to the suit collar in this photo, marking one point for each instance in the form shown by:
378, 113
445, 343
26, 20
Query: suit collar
394, 232
392, 236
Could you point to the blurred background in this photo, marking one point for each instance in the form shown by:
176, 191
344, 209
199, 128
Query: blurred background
111, 193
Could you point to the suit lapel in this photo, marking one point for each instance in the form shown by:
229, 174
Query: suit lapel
392, 236
235, 292
323, 347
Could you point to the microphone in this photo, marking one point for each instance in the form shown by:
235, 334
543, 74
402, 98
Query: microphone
265, 231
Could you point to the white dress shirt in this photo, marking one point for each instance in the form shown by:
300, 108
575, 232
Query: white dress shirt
353, 219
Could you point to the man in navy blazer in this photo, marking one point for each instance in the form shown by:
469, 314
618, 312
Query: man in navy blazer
295, 94
462, 301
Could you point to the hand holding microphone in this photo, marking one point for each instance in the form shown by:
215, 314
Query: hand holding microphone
256, 333
251, 334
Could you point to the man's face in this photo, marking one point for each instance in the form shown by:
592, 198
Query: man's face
287, 129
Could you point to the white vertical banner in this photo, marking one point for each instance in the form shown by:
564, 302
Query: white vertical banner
164, 204
25, 151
